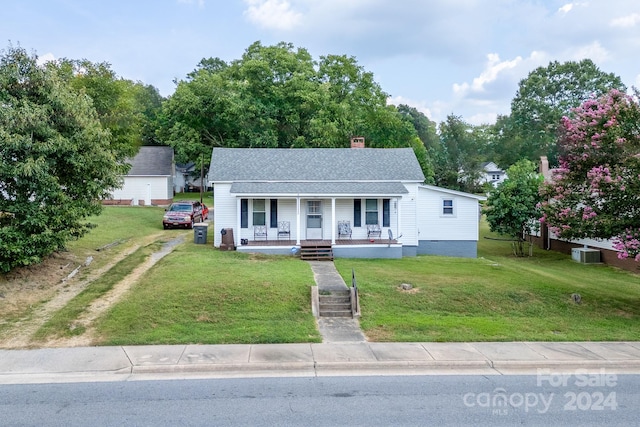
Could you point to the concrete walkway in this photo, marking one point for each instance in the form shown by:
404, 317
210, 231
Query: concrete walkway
309, 360
334, 329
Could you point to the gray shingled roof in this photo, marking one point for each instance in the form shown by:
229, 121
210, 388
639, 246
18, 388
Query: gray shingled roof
314, 164
319, 188
152, 161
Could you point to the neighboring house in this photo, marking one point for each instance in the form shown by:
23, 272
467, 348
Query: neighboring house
546, 239
188, 179
183, 178
492, 174
150, 179
315, 191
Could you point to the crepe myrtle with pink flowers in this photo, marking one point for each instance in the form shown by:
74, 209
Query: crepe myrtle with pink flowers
595, 191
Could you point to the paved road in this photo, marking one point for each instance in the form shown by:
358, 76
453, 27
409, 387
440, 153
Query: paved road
331, 401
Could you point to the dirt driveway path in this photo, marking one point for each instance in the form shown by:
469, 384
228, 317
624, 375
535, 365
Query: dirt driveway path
20, 335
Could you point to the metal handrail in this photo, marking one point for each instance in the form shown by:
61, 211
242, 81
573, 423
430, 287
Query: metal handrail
354, 293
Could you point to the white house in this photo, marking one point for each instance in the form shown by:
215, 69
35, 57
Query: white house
546, 239
183, 177
448, 222
361, 202
491, 173
150, 179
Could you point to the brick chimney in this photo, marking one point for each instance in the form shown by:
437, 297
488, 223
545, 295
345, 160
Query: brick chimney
544, 167
357, 142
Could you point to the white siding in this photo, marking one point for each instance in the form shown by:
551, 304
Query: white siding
601, 244
286, 212
226, 216
433, 225
144, 188
224, 213
409, 216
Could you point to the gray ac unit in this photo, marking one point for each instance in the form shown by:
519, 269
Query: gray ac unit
585, 255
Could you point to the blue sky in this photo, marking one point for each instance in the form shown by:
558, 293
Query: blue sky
464, 57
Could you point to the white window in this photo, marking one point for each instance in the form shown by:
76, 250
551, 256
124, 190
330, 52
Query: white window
448, 209
259, 212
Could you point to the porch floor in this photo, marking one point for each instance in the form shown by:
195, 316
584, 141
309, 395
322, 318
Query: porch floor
319, 242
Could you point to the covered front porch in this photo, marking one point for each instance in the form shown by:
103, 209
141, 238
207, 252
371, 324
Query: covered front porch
342, 248
366, 226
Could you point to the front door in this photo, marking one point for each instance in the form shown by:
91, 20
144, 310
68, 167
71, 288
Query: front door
314, 220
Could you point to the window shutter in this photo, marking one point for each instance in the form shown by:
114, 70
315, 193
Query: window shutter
386, 212
274, 213
244, 213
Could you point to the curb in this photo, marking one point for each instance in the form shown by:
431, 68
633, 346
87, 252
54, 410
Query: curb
565, 364
227, 367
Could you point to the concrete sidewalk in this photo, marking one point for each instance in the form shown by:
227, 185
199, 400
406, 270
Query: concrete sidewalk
219, 361
334, 329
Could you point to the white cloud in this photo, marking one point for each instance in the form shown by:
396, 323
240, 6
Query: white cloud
569, 6
418, 105
566, 8
272, 14
626, 21
482, 118
491, 72
200, 3
47, 57
593, 51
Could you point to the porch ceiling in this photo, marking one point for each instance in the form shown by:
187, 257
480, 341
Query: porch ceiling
320, 188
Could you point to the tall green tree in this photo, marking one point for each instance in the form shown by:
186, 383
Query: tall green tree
512, 208
426, 129
56, 161
595, 193
545, 96
457, 161
127, 109
148, 103
507, 145
280, 97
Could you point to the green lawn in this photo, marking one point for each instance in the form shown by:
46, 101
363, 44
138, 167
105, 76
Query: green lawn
207, 197
120, 223
495, 298
200, 295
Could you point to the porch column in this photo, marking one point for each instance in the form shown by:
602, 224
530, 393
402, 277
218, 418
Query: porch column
298, 220
333, 220
236, 236
399, 219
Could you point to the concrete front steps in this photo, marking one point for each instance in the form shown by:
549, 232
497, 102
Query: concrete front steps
335, 304
319, 251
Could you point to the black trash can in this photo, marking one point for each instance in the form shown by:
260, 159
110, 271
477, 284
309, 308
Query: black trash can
200, 233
